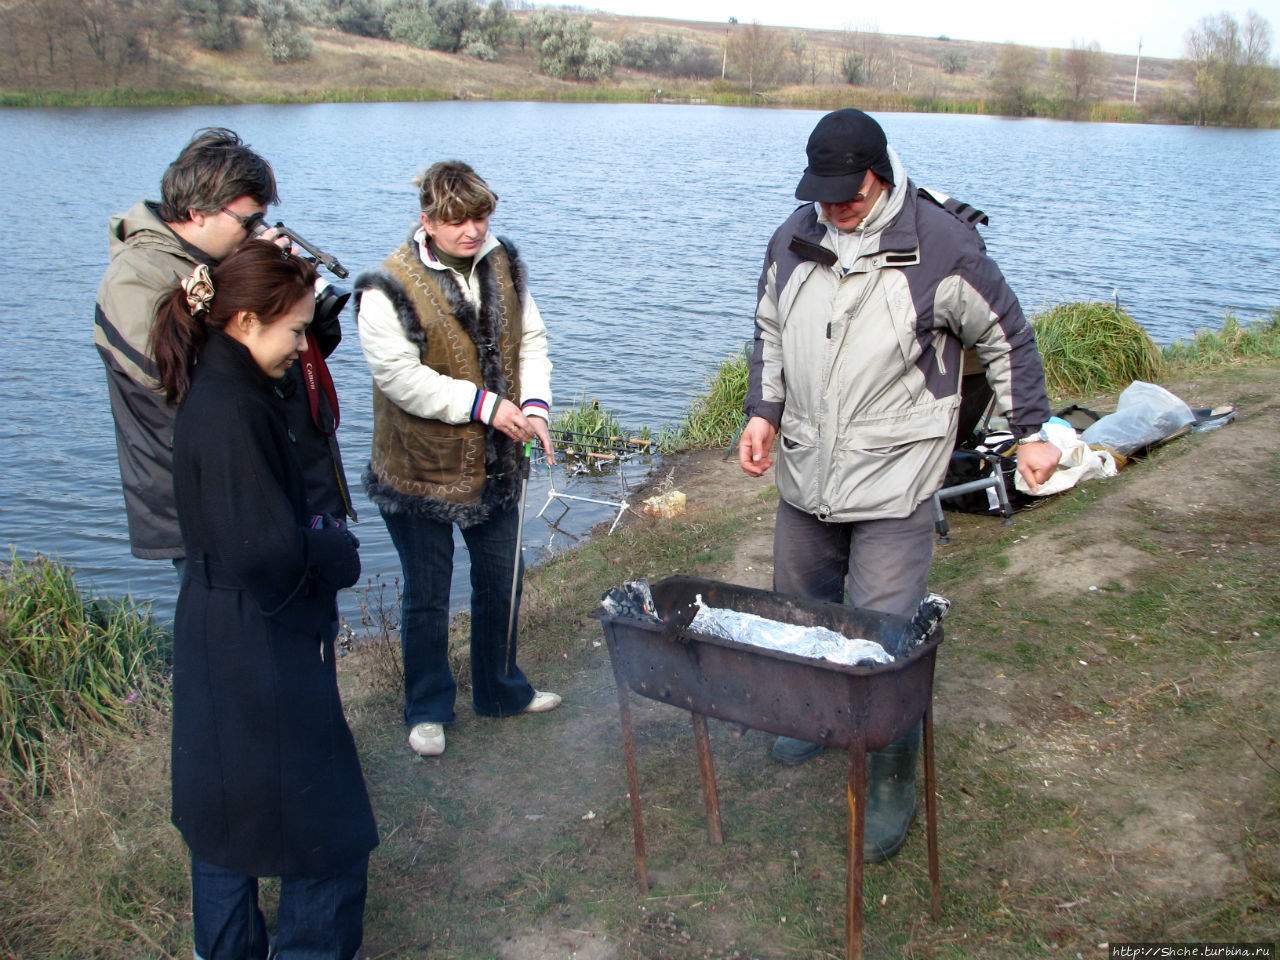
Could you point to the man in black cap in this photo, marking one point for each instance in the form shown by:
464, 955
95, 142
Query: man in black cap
871, 292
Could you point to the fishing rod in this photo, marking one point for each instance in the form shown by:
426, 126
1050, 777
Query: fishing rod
604, 437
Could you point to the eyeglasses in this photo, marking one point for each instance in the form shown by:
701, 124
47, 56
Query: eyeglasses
249, 222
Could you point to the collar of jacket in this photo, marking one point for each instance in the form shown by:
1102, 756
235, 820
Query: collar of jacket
419, 240
224, 354
141, 226
897, 244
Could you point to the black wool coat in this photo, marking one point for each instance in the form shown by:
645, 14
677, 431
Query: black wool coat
266, 780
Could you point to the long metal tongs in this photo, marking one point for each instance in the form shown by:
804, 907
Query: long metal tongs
515, 566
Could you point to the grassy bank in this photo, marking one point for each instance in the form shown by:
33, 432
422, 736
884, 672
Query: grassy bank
821, 97
1107, 762
900, 73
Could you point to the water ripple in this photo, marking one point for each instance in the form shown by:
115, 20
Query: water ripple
643, 227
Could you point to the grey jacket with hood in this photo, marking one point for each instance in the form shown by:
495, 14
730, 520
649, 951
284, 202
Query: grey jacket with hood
858, 352
147, 258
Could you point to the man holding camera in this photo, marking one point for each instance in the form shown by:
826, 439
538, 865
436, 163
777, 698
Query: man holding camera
213, 197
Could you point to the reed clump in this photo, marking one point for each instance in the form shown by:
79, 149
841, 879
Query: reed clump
587, 416
715, 417
1092, 347
587, 428
73, 667
1235, 342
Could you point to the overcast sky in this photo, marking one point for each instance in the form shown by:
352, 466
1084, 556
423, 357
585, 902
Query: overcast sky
1116, 25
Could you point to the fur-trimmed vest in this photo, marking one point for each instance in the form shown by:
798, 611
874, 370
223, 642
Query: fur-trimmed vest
453, 473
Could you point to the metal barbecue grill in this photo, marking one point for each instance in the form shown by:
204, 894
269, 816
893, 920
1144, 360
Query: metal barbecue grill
851, 708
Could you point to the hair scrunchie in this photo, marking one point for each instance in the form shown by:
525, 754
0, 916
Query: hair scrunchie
199, 290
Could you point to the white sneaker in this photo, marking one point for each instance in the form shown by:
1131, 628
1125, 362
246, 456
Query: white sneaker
542, 702
427, 739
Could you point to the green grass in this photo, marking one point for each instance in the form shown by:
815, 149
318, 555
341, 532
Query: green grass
114, 97
587, 416
586, 430
1234, 342
1091, 348
70, 664
715, 416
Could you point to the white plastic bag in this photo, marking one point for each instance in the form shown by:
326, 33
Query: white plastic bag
1079, 462
1145, 414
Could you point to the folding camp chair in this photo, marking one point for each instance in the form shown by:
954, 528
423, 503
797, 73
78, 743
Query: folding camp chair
977, 404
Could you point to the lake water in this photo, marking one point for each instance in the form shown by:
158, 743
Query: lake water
643, 227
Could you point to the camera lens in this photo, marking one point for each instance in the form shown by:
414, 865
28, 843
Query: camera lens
329, 302
257, 226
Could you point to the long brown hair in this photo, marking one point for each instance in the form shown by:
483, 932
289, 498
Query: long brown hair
258, 278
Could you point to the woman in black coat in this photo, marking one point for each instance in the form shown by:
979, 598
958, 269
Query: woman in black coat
266, 780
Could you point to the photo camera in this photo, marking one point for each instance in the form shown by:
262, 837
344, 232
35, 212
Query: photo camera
329, 299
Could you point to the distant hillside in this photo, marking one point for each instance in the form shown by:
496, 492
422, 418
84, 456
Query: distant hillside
810, 68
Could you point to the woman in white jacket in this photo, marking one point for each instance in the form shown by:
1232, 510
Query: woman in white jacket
461, 381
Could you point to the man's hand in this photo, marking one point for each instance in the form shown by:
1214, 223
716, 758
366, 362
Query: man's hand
1036, 462
272, 235
754, 447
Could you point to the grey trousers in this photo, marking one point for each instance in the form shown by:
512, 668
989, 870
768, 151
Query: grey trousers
880, 564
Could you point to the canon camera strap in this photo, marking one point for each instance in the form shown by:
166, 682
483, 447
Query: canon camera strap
316, 376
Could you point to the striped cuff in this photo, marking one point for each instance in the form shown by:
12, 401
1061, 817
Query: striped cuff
485, 406
536, 408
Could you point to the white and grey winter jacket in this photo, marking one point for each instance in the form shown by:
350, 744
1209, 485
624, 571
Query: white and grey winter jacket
858, 352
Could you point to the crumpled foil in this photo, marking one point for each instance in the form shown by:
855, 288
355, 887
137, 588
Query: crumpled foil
818, 643
633, 600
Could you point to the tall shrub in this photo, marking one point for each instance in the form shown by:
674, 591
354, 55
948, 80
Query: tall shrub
565, 48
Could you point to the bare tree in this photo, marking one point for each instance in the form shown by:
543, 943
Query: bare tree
33, 34
797, 47
1080, 73
121, 33
867, 59
68, 44
758, 54
1230, 66
1010, 79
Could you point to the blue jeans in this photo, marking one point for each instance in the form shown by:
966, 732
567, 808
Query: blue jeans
319, 918
426, 560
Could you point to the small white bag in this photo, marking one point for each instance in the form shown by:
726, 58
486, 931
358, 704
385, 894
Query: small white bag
1079, 462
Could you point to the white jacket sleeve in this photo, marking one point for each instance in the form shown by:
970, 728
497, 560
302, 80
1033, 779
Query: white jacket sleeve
398, 369
535, 362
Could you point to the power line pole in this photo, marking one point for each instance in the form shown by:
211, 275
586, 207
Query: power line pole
1136, 68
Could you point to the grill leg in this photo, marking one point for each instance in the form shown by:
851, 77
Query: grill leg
857, 795
931, 817
708, 772
633, 784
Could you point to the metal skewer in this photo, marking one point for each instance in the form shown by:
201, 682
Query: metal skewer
515, 567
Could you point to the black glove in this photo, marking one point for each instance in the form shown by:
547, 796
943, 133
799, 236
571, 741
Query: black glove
333, 556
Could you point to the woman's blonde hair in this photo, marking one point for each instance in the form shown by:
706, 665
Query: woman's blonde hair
450, 192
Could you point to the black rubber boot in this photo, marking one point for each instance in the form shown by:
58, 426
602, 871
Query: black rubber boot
891, 797
793, 752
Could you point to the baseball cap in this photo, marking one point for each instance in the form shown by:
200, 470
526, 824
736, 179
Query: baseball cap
842, 148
